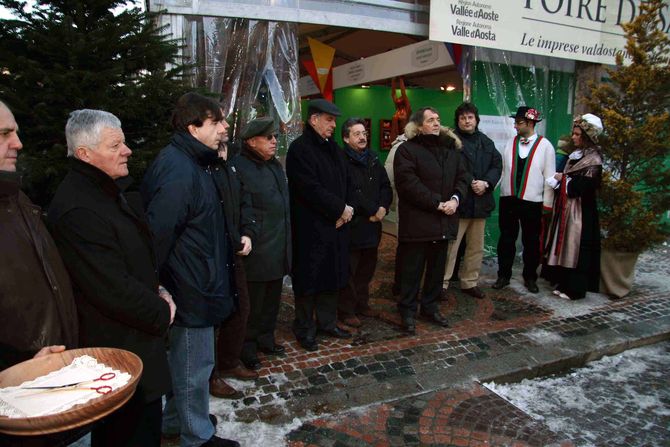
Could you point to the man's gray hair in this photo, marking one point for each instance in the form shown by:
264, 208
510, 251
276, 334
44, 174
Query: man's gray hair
84, 126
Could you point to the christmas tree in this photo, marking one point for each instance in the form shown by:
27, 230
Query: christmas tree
59, 56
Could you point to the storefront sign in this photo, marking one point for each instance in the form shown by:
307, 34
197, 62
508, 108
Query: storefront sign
587, 30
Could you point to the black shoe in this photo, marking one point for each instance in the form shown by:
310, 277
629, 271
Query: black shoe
436, 318
252, 364
274, 350
213, 420
308, 344
500, 283
531, 285
409, 325
336, 333
215, 441
474, 292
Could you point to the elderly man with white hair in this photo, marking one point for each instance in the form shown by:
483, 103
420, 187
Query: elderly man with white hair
107, 248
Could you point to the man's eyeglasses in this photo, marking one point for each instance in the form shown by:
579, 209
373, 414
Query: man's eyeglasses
359, 134
271, 136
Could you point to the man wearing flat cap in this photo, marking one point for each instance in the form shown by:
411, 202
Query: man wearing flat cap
317, 178
528, 161
263, 177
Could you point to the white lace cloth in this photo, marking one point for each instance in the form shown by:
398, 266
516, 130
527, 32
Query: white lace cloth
18, 402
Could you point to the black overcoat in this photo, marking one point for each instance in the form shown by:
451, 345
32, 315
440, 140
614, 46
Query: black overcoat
369, 188
428, 169
107, 248
265, 181
317, 179
485, 163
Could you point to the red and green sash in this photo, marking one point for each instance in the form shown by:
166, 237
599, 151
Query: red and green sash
529, 161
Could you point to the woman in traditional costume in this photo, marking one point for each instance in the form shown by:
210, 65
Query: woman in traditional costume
572, 248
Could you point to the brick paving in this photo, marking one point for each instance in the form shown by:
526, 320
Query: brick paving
422, 389
471, 416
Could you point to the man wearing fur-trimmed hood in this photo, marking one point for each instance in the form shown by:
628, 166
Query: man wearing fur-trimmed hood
431, 180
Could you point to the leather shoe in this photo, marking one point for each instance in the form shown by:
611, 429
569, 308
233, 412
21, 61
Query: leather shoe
500, 283
274, 350
308, 344
219, 388
409, 325
352, 321
474, 292
336, 332
436, 318
240, 372
531, 285
369, 312
215, 441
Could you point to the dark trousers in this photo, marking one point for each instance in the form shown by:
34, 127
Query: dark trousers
136, 424
323, 305
417, 257
264, 300
396, 271
515, 212
356, 296
231, 333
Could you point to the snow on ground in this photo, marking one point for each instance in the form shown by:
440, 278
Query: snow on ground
256, 433
543, 337
615, 396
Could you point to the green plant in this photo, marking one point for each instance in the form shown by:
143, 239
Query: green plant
633, 105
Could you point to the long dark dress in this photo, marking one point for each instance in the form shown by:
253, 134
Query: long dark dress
572, 249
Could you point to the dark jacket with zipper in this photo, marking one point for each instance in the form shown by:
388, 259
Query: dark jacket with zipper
265, 181
369, 189
317, 180
428, 169
485, 163
186, 216
35, 292
237, 209
106, 245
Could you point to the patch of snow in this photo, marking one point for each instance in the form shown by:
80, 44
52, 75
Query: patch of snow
543, 337
604, 387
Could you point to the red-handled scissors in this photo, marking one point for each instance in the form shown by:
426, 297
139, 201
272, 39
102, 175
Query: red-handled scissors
103, 389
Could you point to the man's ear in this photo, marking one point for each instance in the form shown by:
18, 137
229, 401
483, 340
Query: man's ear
81, 153
193, 130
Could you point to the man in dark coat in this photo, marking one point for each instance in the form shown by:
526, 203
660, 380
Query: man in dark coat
35, 291
431, 179
186, 215
34, 285
485, 166
370, 195
241, 231
263, 177
317, 179
107, 248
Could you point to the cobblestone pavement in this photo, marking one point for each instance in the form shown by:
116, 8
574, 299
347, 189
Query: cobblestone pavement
388, 388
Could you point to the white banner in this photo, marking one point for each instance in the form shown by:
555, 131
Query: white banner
587, 30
